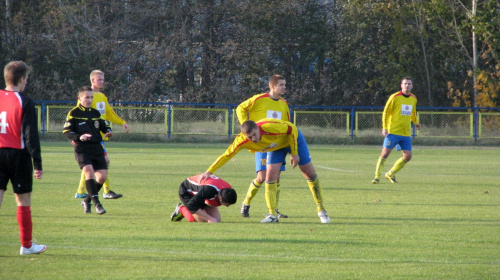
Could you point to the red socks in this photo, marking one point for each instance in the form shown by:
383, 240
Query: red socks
185, 212
25, 225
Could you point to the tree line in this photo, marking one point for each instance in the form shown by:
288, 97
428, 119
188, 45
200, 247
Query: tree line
333, 53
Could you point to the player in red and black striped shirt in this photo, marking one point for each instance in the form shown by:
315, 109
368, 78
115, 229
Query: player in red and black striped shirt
19, 149
201, 199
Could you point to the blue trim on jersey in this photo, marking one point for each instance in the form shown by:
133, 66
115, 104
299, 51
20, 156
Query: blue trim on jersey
280, 155
261, 160
402, 142
104, 147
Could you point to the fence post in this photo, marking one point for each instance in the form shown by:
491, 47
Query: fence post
229, 121
353, 116
476, 123
169, 121
43, 108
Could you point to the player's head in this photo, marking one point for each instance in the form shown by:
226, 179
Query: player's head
251, 131
97, 79
228, 197
277, 84
406, 85
85, 96
16, 73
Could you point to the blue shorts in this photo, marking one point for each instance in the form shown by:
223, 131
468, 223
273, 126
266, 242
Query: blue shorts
280, 155
261, 160
392, 140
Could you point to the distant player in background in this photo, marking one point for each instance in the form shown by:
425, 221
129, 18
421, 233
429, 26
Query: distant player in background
200, 200
399, 111
19, 149
278, 138
260, 106
83, 127
107, 113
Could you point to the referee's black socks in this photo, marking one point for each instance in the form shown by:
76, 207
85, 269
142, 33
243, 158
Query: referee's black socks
93, 191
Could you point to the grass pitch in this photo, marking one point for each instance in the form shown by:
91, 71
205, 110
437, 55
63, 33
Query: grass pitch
441, 221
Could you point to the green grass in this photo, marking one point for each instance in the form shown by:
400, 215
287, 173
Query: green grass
442, 221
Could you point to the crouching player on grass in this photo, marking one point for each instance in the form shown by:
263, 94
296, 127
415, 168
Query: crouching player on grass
200, 200
84, 126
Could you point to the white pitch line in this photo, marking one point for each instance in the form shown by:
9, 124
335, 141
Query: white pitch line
338, 169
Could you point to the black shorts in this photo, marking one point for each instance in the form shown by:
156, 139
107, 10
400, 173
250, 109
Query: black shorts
184, 195
91, 155
17, 166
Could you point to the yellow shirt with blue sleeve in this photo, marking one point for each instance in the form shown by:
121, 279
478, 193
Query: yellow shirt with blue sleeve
275, 135
399, 112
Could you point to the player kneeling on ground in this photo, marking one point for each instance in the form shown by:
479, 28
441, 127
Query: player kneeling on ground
200, 200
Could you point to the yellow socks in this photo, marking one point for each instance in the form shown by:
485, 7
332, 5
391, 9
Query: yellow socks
252, 191
107, 185
82, 187
317, 193
400, 163
277, 193
271, 189
380, 166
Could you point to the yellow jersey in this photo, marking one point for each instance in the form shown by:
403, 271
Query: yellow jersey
275, 135
262, 106
399, 112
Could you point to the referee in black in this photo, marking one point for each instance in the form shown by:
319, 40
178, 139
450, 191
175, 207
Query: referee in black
83, 126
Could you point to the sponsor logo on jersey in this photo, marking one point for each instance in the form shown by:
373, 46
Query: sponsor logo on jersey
101, 107
274, 114
406, 110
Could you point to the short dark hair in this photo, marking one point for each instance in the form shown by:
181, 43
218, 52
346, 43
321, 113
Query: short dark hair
248, 126
406, 78
14, 71
228, 196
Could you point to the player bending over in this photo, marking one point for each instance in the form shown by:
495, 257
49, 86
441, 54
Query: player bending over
200, 200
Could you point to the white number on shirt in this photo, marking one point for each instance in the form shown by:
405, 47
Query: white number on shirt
3, 122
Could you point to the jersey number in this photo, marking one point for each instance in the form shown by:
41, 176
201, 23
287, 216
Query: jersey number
3, 122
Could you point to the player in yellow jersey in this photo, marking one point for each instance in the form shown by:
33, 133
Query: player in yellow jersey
399, 111
264, 105
108, 114
278, 138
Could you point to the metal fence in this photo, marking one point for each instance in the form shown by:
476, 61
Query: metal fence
320, 121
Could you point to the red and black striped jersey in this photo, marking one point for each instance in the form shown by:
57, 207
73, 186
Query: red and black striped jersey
18, 125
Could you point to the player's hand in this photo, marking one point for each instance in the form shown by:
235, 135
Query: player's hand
418, 126
204, 176
73, 143
385, 132
85, 137
294, 160
109, 134
212, 220
126, 127
38, 174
